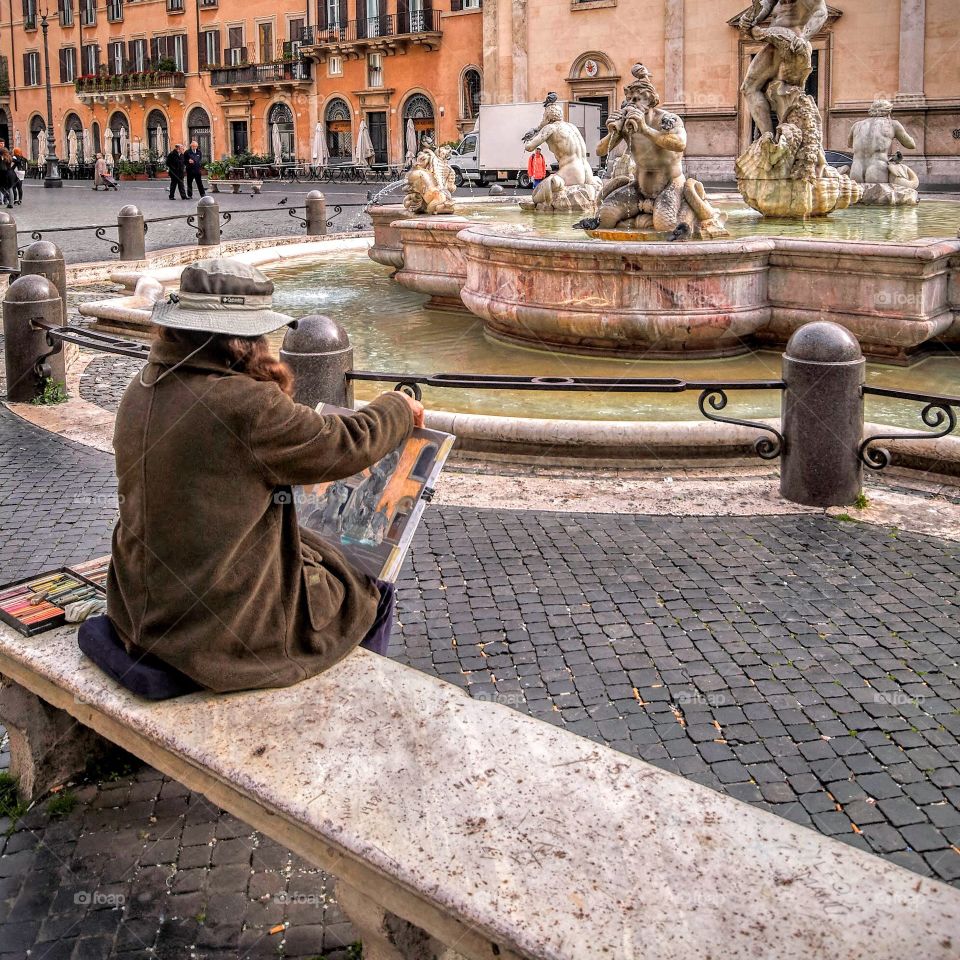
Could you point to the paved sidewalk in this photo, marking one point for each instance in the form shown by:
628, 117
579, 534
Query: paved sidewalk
802, 663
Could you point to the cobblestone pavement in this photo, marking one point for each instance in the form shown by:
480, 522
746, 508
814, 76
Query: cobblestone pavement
76, 205
799, 663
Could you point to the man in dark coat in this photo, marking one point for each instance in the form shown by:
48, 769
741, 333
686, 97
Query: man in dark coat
194, 167
210, 570
176, 169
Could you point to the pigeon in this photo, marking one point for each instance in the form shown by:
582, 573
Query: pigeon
282, 202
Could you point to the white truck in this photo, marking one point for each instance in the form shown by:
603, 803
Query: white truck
494, 149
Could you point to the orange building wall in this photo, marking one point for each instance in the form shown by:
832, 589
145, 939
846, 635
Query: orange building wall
436, 73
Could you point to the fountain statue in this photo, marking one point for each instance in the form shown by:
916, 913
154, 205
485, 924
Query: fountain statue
648, 192
785, 173
887, 180
431, 181
574, 186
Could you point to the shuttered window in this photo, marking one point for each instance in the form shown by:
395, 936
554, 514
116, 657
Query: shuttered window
68, 64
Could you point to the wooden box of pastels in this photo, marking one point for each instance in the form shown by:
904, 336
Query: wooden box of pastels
40, 603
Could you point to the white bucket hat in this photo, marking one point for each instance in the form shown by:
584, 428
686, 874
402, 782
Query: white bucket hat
220, 295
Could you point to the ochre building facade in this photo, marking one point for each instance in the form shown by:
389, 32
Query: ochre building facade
133, 77
237, 76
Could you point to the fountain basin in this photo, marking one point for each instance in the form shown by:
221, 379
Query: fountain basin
706, 298
629, 299
432, 258
386, 247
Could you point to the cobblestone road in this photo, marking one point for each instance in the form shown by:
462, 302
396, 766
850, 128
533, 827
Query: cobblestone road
799, 663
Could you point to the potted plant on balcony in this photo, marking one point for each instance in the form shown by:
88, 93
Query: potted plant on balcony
167, 65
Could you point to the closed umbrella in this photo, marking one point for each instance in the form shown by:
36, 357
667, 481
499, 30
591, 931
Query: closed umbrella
411, 140
16, 138
123, 141
87, 153
41, 144
319, 146
72, 148
277, 145
161, 142
108, 145
365, 151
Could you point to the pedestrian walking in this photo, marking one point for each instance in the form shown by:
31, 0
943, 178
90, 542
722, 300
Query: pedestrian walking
537, 168
7, 176
175, 170
101, 175
194, 160
19, 172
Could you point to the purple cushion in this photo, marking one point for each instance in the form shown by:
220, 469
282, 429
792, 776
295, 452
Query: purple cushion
143, 674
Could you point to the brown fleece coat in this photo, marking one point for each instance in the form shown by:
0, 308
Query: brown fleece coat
210, 571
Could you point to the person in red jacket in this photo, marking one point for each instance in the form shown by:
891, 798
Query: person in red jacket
537, 167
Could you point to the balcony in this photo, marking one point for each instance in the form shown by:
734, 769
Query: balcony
387, 34
132, 87
249, 76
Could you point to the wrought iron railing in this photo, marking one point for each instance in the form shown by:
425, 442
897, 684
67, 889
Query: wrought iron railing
146, 80
939, 412
713, 393
253, 74
373, 28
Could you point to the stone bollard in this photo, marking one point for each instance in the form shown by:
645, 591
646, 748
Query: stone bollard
208, 222
318, 352
316, 214
44, 258
8, 242
823, 367
132, 233
30, 298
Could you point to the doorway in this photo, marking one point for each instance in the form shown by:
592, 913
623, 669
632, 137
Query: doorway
239, 138
377, 124
604, 104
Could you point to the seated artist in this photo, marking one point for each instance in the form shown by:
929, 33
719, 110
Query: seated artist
210, 573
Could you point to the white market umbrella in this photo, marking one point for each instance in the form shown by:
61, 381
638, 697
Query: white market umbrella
87, 154
161, 142
72, 148
123, 141
277, 145
16, 138
411, 140
319, 146
365, 151
108, 145
41, 144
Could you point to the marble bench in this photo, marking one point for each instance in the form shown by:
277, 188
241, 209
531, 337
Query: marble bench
462, 828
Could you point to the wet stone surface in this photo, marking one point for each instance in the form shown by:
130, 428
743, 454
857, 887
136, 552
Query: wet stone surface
799, 663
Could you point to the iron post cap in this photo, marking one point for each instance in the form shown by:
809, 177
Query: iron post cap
823, 342
30, 288
315, 333
42, 250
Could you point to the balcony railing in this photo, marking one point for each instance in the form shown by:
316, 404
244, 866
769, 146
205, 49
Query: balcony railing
373, 28
132, 82
260, 74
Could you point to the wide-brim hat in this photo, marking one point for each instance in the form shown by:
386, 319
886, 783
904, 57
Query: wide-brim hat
220, 295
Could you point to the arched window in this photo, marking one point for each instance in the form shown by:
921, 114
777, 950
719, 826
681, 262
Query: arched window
38, 143
74, 145
418, 113
158, 138
339, 143
119, 144
198, 128
280, 132
471, 89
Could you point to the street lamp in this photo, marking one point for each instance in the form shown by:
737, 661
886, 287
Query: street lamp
51, 176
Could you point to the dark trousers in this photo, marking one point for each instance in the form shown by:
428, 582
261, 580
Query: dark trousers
176, 183
193, 176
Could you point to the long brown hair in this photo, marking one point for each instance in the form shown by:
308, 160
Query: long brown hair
249, 355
